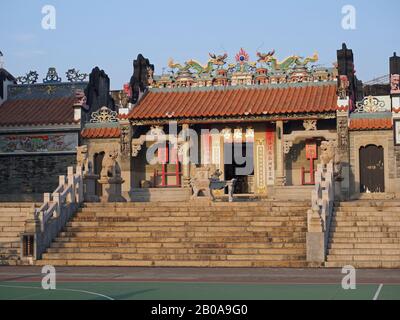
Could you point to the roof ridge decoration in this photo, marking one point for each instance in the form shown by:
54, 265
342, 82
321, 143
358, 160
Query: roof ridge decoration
370, 104
52, 76
104, 115
266, 69
30, 78
75, 75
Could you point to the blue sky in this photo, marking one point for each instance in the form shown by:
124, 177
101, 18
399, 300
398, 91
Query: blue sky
110, 34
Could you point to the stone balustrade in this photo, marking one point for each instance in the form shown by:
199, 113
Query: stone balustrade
320, 214
56, 210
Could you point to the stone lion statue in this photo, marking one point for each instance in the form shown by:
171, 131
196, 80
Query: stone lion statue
82, 158
110, 167
328, 151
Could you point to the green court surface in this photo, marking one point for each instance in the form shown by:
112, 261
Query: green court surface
193, 291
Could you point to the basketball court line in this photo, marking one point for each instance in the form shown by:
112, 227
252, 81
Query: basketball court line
376, 296
70, 290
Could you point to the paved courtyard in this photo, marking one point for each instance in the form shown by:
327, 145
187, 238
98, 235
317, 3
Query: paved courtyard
86, 283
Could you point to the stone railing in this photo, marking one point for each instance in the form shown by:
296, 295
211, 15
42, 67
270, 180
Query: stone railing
52, 216
320, 214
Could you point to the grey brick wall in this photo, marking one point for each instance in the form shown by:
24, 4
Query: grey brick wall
32, 174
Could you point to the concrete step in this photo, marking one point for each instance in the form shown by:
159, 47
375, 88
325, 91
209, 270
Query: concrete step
379, 229
193, 204
181, 245
176, 234
366, 257
173, 257
364, 264
345, 223
162, 263
233, 239
365, 241
187, 228
364, 251
359, 234
214, 251
149, 224
364, 246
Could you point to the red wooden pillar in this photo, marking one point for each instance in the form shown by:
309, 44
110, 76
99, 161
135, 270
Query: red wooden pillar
311, 154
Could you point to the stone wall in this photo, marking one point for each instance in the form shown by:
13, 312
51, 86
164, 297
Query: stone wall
27, 177
382, 138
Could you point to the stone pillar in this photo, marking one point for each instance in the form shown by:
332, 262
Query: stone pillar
343, 148
185, 158
89, 183
280, 157
395, 97
111, 189
125, 160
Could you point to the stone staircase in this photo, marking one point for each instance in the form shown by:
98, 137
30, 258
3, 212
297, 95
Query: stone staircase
296, 193
160, 194
365, 234
184, 234
12, 223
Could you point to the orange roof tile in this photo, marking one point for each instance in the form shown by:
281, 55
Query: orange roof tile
97, 133
225, 102
37, 111
371, 124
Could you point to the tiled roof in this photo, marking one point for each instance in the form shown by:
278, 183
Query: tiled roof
94, 133
223, 102
371, 124
37, 112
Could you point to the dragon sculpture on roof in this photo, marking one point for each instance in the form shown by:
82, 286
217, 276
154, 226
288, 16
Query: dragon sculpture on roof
215, 60
270, 59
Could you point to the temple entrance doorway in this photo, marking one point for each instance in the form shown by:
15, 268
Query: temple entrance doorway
372, 173
239, 164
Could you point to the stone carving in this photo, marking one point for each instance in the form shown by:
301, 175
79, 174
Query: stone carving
328, 151
310, 125
110, 178
110, 167
343, 87
75, 75
287, 145
343, 132
125, 140
370, 104
395, 83
82, 158
201, 181
52, 76
204, 181
135, 149
104, 115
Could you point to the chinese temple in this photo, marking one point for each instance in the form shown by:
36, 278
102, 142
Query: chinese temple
230, 130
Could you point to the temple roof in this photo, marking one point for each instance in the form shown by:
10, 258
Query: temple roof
237, 101
358, 124
96, 133
37, 112
39, 104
